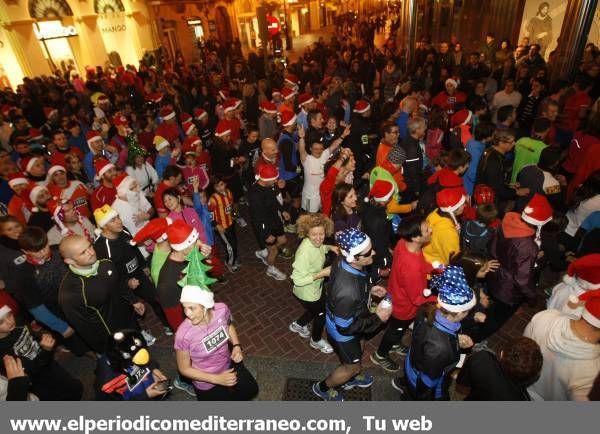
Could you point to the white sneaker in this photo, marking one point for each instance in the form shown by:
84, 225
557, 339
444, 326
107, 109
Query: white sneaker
303, 331
242, 222
148, 337
275, 273
263, 257
321, 345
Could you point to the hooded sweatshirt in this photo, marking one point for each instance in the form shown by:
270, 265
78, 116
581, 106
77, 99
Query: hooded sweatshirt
569, 286
570, 364
445, 239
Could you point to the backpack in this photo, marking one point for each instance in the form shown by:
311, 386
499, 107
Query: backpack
474, 237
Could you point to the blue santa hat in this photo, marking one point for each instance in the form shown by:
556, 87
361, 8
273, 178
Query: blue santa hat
453, 291
351, 242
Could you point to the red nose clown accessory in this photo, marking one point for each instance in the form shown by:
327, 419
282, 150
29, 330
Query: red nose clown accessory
181, 235
538, 212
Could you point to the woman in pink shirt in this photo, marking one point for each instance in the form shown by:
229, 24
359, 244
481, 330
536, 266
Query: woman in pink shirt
172, 200
208, 349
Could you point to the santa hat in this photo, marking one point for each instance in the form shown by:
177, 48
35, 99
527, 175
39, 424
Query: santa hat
452, 289
224, 94
584, 272
230, 104
292, 80
351, 242
267, 173
538, 212
189, 145
198, 295
122, 183
305, 98
361, 106
200, 113
54, 169
591, 310
181, 235
188, 127
4, 310
35, 135
154, 97
268, 107
185, 117
50, 111
155, 229
222, 130
449, 200
381, 191
451, 81
288, 118
461, 117
104, 214
102, 166
120, 121
287, 93
27, 163
35, 191
55, 210
275, 92
166, 113
17, 178
92, 136
483, 194
160, 143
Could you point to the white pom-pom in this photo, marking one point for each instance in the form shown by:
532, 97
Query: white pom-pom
436, 264
573, 299
366, 199
427, 292
132, 242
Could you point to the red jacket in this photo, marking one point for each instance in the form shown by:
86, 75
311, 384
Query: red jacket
407, 281
447, 102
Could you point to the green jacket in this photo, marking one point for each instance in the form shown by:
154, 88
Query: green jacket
527, 151
309, 261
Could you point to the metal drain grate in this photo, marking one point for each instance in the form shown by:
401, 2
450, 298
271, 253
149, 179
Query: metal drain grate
300, 389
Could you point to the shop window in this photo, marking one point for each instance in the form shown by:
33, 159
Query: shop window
108, 6
49, 8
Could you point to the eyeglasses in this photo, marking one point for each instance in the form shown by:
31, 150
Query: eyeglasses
366, 254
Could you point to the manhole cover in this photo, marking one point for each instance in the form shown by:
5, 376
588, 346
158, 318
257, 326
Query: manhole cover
300, 389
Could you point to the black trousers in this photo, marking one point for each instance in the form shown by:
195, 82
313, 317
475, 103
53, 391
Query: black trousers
228, 241
314, 311
245, 389
496, 315
393, 334
53, 383
147, 292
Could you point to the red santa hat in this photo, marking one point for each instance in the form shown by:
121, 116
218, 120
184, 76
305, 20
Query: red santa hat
461, 117
17, 178
222, 130
120, 121
188, 126
361, 106
185, 117
268, 107
449, 200
584, 272
155, 229
35, 134
189, 145
154, 97
200, 113
591, 310
381, 191
54, 169
268, 172
230, 104
287, 93
451, 81
123, 183
224, 94
291, 80
166, 113
538, 211
181, 235
305, 98
92, 136
275, 92
35, 191
28, 162
288, 118
49, 112
4, 310
102, 166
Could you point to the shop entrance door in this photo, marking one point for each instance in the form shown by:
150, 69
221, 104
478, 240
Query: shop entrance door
54, 40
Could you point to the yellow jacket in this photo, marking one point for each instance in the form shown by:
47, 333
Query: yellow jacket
445, 239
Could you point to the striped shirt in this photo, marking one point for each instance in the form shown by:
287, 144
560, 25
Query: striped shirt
221, 208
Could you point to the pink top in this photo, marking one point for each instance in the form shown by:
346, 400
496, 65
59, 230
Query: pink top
191, 173
191, 217
207, 344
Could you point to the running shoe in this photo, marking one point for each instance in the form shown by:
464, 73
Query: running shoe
303, 331
286, 253
361, 380
385, 362
242, 222
275, 273
182, 385
330, 395
399, 349
263, 257
321, 345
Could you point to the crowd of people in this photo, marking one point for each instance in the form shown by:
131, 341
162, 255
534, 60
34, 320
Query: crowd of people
428, 198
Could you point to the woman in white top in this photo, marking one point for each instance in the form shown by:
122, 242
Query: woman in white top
144, 174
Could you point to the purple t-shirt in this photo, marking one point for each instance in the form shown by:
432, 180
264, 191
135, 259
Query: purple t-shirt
207, 344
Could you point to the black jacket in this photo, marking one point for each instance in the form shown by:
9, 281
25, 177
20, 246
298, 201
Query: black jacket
379, 229
493, 171
412, 167
265, 210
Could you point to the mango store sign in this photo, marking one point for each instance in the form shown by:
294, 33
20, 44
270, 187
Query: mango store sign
54, 32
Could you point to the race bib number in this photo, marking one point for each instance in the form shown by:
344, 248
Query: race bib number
228, 209
132, 265
215, 340
451, 100
137, 376
192, 179
364, 139
79, 202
